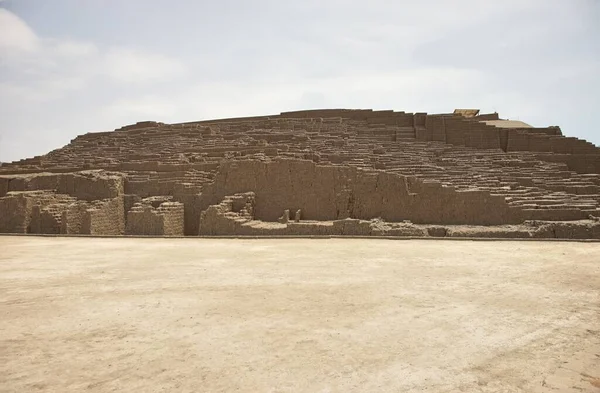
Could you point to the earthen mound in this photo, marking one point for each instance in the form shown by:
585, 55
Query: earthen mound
315, 172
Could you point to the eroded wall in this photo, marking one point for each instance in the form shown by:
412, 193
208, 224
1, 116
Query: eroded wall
104, 218
166, 220
16, 213
3, 186
334, 192
87, 186
233, 217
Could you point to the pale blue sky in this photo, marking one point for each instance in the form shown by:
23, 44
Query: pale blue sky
72, 66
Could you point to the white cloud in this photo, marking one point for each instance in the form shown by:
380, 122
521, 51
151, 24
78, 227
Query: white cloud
16, 36
131, 66
42, 91
72, 48
41, 68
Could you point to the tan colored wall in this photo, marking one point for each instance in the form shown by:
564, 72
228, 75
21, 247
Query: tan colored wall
73, 217
144, 221
584, 163
459, 131
234, 216
224, 219
173, 218
82, 185
166, 220
331, 192
15, 213
43, 221
3, 186
192, 206
579, 155
150, 188
90, 187
25, 211
105, 218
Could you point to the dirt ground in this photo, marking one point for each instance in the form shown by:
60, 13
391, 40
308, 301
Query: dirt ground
298, 315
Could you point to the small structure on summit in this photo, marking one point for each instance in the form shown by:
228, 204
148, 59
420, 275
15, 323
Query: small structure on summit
466, 112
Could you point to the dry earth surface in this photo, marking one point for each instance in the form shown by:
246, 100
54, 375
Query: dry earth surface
298, 315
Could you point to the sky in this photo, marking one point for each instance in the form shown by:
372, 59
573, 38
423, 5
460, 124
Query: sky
68, 67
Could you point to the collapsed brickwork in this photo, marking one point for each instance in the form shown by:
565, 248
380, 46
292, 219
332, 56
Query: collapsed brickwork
332, 172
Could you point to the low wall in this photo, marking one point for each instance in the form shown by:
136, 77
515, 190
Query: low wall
16, 213
166, 220
104, 218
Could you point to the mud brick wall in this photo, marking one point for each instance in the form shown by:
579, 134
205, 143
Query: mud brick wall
24, 211
482, 136
457, 131
233, 216
549, 131
584, 163
80, 185
192, 210
539, 143
579, 155
73, 217
44, 221
436, 129
3, 186
129, 200
563, 145
227, 217
144, 220
15, 213
173, 218
518, 141
330, 193
166, 220
35, 220
150, 187
105, 218
90, 188
49, 223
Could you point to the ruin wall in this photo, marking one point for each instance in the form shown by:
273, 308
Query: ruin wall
166, 220
72, 219
327, 193
579, 155
82, 185
3, 186
104, 218
16, 213
226, 219
143, 220
44, 221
